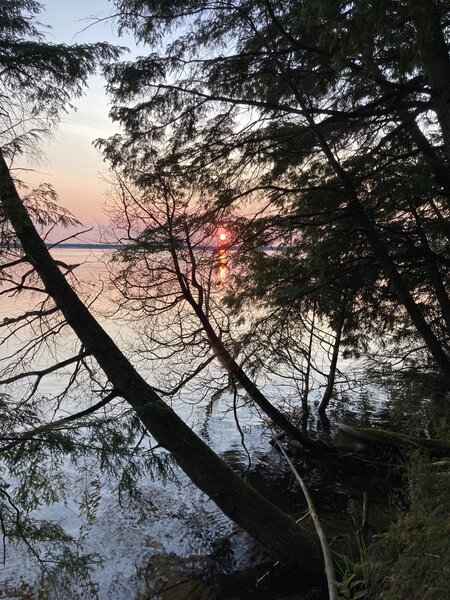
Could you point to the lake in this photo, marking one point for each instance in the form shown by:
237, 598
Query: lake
136, 542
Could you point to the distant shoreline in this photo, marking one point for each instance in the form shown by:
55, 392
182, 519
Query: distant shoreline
69, 246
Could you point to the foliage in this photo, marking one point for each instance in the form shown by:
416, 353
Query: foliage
38, 79
416, 547
331, 138
37, 472
318, 126
409, 560
166, 240
361, 578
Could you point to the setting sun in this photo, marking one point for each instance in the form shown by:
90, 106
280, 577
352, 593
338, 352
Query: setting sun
223, 234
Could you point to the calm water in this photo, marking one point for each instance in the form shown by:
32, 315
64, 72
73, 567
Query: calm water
173, 520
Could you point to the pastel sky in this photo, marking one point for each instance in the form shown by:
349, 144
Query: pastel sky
70, 162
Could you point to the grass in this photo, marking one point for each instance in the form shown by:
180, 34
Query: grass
410, 561
416, 548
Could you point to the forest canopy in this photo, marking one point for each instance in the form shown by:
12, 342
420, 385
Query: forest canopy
316, 134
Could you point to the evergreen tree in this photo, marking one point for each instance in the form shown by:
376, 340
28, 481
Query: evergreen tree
332, 113
98, 357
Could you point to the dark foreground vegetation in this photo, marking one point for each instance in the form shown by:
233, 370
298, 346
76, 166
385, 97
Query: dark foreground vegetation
318, 127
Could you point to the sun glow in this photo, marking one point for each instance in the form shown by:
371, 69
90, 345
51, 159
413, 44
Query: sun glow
223, 235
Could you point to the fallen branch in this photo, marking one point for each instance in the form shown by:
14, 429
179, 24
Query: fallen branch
391, 439
328, 560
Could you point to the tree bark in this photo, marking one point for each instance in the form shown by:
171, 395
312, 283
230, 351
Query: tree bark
273, 528
334, 359
391, 439
434, 53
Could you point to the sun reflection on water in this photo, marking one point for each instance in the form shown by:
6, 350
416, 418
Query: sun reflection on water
223, 265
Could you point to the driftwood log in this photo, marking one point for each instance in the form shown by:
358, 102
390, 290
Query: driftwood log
389, 439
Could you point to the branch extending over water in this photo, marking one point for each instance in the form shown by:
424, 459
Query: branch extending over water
24, 436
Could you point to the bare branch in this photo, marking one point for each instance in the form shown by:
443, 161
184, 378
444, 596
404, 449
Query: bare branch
23, 436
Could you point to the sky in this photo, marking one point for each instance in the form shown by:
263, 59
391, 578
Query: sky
69, 161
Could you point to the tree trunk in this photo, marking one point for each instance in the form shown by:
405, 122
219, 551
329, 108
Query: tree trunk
433, 269
434, 53
235, 370
379, 249
334, 359
308, 368
389, 267
438, 166
229, 363
267, 524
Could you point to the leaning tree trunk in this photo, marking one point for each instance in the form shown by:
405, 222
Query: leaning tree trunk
270, 526
437, 164
238, 373
377, 244
379, 248
433, 269
389, 267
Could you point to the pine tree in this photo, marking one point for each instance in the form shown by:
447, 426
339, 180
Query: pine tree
320, 110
